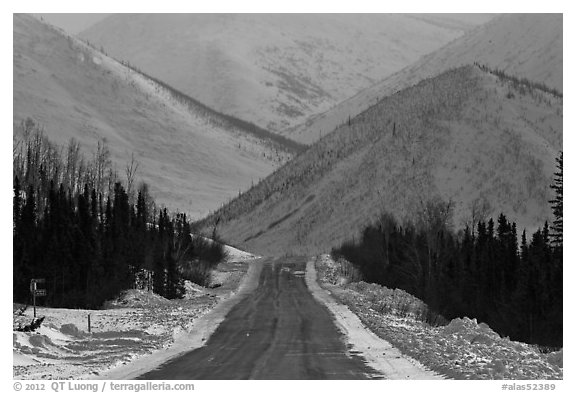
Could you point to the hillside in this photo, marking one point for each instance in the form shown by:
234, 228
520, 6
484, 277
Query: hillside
526, 45
193, 158
274, 70
466, 136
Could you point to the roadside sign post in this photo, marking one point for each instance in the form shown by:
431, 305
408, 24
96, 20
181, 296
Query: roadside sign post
35, 291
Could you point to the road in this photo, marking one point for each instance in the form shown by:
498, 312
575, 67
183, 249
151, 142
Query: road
278, 331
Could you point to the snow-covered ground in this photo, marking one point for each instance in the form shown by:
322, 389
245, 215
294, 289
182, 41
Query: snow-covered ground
138, 323
462, 349
232, 254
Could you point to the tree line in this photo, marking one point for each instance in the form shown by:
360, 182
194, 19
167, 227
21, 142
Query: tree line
484, 272
78, 226
275, 141
521, 84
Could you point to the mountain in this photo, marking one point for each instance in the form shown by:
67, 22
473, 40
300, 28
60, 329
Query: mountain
468, 136
193, 157
274, 70
526, 45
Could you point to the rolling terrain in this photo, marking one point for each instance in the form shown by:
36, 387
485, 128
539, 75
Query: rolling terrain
192, 157
451, 137
526, 45
274, 70
466, 136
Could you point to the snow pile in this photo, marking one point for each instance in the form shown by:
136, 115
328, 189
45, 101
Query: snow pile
340, 272
462, 349
329, 269
193, 290
137, 298
471, 331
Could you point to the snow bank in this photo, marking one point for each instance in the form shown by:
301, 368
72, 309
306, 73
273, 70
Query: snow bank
470, 330
462, 349
193, 290
137, 298
135, 324
378, 353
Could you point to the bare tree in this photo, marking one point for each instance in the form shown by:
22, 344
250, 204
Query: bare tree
480, 210
111, 178
102, 166
71, 174
131, 170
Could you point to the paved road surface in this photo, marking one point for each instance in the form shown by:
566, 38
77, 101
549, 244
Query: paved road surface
279, 331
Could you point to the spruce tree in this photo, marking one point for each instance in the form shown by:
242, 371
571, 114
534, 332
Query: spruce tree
17, 202
556, 228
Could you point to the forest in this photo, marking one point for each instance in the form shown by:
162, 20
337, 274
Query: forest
90, 235
484, 271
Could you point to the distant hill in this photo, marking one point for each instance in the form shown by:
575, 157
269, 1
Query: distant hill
193, 157
526, 45
274, 70
466, 136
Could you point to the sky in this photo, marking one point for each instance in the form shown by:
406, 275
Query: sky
73, 23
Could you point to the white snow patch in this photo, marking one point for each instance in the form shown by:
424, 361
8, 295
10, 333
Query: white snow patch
233, 254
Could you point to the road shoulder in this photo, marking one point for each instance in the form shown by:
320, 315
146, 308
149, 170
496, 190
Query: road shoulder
379, 353
200, 332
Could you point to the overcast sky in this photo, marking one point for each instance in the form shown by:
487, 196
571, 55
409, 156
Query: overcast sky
73, 23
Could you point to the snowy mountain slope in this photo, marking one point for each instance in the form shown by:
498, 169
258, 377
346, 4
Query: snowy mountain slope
526, 45
274, 70
465, 136
192, 158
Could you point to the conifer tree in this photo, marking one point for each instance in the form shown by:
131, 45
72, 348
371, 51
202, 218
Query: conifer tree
17, 202
556, 229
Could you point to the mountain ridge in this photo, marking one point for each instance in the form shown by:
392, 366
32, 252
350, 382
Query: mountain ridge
466, 136
274, 70
526, 45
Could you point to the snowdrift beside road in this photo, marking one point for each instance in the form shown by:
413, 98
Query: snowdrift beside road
135, 324
461, 349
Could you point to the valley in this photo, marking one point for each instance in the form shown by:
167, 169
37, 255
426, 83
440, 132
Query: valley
289, 196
